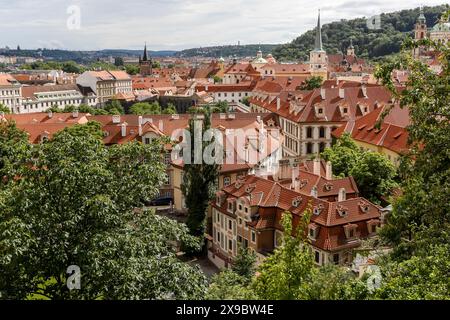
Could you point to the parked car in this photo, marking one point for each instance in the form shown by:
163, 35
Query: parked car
162, 201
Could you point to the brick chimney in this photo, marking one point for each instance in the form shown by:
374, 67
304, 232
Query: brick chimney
124, 129
278, 103
341, 93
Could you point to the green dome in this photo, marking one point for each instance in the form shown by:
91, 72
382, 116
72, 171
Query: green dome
442, 27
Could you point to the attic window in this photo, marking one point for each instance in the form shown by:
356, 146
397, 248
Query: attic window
363, 206
320, 111
296, 201
317, 210
313, 231
250, 188
328, 186
238, 184
350, 231
343, 211
303, 183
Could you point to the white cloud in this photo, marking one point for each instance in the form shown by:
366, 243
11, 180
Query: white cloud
175, 24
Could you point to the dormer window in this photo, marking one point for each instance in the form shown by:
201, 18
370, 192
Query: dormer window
372, 226
342, 211
238, 184
318, 209
250, 188
363, 206
220, 197
350, 231
328, 186
320, 111
297, 201
313, 231
231, 205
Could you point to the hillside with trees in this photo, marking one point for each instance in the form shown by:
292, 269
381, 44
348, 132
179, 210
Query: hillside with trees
227, 51
368, 43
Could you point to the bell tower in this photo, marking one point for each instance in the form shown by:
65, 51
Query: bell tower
420, 33
318, 58
145, 64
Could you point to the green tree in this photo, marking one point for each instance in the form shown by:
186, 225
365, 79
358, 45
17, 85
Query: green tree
114, 107
142, 108
132, 69
76, 205
312, 83
343, 155
170, 109
14, 150
246, 101
422, 277
229, 285
375, 175
373, 172
199, 181
286, 274
118, 61
220, 107
244, 264
72, 67
217, 79
4, 109
420, 216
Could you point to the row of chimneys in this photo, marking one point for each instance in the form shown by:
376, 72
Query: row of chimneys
74, 114
316, 170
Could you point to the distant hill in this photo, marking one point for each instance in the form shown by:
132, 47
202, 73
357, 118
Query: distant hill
368, 43
239, 51
81, 56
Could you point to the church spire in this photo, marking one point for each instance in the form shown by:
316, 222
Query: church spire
421, 18
145, 58
318, 44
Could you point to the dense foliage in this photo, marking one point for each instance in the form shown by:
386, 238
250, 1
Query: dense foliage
373, 172
249, 50
74, 202
199, 179
368, 43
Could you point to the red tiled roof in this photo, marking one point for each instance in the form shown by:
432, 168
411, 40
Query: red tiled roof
272, 199
392, 134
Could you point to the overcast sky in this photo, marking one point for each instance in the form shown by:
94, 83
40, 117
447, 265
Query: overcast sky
173, 24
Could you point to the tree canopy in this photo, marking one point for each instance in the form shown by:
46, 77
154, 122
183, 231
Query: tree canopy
76, 202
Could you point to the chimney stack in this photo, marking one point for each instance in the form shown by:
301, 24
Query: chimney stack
342, 196
341, 93
75, 114
295, 185
316, 167
50, 114
160, 125
124, 129
278, 103
329, 171
323, 93
140, 120
364, 90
